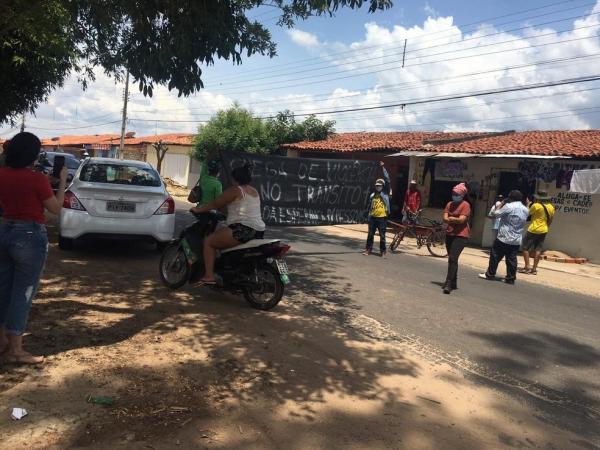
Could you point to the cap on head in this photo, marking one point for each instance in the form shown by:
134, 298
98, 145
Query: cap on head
379, 182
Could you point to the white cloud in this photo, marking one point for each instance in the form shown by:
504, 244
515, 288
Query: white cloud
303, 38
429, 10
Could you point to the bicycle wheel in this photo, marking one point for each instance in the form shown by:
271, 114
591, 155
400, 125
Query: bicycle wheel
436, 244
396, 241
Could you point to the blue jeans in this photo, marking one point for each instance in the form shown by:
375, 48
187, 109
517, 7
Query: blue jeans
376, 223
23, 251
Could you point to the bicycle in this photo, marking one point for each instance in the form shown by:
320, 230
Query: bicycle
432, 235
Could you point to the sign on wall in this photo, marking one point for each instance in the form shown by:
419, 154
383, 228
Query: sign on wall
302, 191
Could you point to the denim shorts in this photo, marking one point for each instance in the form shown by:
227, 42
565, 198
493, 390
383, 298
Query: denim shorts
23, 252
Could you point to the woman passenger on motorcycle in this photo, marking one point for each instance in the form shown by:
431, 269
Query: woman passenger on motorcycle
244, 219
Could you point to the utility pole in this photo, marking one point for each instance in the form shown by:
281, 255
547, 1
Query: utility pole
23, 122
124, 120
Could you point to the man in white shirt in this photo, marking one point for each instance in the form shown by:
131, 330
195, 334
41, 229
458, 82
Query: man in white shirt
513, 216
496, 220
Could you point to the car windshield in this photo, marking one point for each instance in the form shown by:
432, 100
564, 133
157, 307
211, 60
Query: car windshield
120, 174
70, 161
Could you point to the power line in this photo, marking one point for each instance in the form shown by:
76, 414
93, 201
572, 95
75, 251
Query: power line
370, 72
479, 22
469, 107
460, 96
76, 128
475, 38
421, 101
583, 111
402, 86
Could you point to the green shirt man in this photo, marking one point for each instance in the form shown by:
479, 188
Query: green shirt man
209, 182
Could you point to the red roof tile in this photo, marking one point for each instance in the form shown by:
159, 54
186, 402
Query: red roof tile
173, 139
580, 143
373, 141
577, 144
81, 140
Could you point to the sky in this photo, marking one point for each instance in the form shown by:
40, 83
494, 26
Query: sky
349, 68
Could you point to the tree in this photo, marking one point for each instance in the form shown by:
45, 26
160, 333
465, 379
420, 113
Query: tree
161, 150
35, 53
160, 42
233, 129
285, 129
238, 130
314, 129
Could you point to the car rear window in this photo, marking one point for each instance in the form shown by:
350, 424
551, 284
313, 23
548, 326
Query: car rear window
120, 174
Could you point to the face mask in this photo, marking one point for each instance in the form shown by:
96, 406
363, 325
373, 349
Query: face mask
456, 198
378, 188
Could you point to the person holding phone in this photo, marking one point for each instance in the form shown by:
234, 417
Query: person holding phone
24, 195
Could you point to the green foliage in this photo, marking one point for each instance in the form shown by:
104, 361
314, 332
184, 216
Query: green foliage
35, 51
285, 129
233, 129
160, 42
236, 129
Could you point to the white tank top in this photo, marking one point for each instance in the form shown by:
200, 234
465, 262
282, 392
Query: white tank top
246, 211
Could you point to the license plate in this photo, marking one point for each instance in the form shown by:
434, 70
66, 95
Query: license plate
282, 266
114, 206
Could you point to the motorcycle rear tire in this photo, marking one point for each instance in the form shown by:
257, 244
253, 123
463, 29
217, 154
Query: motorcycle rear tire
266, 268
176, 250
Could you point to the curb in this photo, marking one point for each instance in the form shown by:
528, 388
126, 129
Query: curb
565, 260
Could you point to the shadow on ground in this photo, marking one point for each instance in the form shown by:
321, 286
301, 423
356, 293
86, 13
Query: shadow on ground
175, 361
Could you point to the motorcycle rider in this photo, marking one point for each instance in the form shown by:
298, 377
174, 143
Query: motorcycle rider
244, 219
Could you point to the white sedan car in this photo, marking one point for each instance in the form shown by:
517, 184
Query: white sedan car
117, 199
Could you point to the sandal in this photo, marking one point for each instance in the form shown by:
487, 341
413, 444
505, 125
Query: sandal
533, 272
525, 270
24, 359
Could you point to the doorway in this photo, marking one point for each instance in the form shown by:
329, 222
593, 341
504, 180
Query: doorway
400, 187
514, 180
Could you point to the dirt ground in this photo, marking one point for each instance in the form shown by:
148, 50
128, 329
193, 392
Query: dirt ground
198, 369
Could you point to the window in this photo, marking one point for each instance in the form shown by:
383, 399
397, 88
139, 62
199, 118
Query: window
120, 174
441, 193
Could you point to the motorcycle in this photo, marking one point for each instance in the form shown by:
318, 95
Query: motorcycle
257, 268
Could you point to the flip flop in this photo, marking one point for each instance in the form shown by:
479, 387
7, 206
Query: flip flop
533, 272
208, 282
524, 270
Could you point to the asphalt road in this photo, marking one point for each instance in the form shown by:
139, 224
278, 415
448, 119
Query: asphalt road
530, 339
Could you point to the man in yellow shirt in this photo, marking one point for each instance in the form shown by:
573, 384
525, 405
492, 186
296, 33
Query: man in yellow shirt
541, 212
379, 210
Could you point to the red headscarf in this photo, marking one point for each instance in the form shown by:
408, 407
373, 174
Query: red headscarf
460, 189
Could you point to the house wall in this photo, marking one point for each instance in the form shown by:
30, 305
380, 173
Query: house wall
176, 164
574, 228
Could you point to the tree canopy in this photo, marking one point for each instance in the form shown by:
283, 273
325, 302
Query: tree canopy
160, 42
238, 130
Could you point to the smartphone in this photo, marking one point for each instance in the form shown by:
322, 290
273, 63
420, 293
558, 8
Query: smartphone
59, 163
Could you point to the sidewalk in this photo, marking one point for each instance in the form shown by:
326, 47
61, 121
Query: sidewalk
580, 278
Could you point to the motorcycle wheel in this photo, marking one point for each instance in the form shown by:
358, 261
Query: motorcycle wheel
268, 291
174, 269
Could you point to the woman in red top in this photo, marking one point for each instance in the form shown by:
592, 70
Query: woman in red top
24, 194
456, 215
